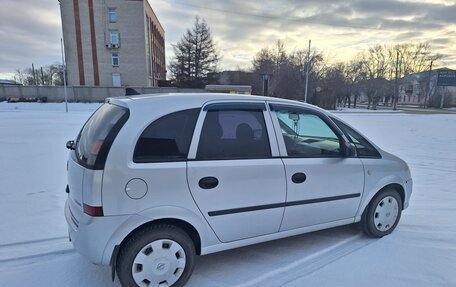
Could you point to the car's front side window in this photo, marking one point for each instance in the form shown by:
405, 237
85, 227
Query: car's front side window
233, 134
307, 135
364, 148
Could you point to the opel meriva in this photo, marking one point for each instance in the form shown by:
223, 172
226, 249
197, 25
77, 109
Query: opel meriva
154, 180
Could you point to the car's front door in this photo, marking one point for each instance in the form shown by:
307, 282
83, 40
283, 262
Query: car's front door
323, 185
236, 177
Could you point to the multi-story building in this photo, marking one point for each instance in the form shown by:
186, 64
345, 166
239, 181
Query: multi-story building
112, 43
417, 88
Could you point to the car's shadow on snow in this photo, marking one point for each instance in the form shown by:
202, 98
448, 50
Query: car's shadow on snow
243, 266
247, 266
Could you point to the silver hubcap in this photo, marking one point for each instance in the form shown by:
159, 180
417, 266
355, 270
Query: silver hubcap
159, 263
386, 213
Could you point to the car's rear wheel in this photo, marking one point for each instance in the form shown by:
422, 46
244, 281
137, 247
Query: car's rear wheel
382, 214
160, 255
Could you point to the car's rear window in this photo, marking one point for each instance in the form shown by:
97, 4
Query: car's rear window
97, 135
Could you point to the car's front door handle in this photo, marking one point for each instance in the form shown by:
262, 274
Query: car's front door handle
298, 177
208, 182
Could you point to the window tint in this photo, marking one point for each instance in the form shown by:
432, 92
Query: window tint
234, 134
364, 148
307, 135
97, 135
168, 138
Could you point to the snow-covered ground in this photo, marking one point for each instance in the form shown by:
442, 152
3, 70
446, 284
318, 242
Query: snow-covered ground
421, 252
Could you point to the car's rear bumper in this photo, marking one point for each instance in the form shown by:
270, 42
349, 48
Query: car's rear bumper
90, 235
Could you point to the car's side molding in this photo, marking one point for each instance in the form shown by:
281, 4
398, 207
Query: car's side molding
273, 236
282, 204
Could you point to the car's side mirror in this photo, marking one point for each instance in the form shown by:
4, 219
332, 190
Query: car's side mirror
348, 149
70, 145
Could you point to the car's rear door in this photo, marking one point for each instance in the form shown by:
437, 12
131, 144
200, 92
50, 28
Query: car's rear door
236, 177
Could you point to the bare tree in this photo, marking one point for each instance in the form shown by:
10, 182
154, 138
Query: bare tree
51, 75
287, 70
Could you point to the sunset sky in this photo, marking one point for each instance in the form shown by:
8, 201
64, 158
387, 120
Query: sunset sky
30, 30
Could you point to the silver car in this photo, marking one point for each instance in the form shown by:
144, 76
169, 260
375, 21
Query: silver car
154, 180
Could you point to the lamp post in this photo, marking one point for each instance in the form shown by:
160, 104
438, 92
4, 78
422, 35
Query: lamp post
64, 76
307, 73
63, 65
265, 78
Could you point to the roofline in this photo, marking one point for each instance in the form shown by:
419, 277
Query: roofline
211, 97
153, 12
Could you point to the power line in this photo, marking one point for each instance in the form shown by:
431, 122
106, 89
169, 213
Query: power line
275, 17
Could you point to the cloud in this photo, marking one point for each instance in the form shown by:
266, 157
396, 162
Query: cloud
241, 28
351, 25
29, 34
408, 36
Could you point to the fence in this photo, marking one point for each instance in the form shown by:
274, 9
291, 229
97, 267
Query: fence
79, 94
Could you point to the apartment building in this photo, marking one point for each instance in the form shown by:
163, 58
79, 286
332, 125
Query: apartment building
112, 43
417, 88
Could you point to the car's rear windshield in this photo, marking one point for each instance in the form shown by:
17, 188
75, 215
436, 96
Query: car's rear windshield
98, 134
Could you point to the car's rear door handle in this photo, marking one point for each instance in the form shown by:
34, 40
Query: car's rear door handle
208, 182
298, 177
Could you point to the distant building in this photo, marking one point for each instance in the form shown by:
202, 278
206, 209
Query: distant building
4, 82
414, 88
231, 89
238, 78
112, 43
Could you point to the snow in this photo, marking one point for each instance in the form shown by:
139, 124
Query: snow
34, 250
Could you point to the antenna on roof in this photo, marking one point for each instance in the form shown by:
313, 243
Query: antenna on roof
131, 92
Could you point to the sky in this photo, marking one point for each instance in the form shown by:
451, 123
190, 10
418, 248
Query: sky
30, 30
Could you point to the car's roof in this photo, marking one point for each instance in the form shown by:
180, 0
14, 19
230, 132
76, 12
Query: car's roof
198, 99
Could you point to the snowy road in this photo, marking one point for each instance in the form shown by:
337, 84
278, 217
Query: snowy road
34, 250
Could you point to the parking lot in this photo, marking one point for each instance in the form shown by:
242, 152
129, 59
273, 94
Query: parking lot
421, 252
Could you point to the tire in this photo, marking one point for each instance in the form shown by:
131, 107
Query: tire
382, 214
154, 255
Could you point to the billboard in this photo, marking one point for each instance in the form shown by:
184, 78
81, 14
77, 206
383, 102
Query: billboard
446, 78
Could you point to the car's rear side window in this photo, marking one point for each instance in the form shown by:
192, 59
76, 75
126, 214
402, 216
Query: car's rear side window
97, 135
233, 134
167, 139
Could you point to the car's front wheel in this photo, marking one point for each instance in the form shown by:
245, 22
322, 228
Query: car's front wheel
160, 255
382, 214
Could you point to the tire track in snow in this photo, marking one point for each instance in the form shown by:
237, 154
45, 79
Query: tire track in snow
32, 241
30, 251
310, 263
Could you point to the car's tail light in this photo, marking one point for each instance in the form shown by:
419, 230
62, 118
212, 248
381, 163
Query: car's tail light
96, 147
93, 210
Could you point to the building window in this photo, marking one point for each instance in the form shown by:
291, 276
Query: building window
112, 15
115, 59
116, 80
114, 37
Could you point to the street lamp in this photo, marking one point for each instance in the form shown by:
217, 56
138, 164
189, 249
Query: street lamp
63, 65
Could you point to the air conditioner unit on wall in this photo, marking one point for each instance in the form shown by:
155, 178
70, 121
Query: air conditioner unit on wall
109, 45
115, 46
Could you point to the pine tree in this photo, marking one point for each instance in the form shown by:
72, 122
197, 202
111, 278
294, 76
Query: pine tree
195, 56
